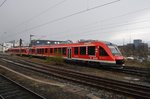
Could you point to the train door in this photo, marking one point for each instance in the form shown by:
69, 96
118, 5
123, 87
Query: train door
69, 52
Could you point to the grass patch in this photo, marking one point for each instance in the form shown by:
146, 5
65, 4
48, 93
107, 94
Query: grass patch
57, 60
135, 63
30, 56
144, 64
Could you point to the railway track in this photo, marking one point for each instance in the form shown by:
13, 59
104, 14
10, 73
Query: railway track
143, 72
126, 69
130, 89
130, 70
9, 89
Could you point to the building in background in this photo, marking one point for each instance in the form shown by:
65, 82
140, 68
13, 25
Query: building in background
137, 49
6, 46
1, 47
137, 42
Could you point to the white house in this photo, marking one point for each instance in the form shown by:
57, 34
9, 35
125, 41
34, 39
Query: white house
6, 46
1, 47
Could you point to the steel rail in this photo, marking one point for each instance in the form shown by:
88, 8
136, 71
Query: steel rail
138, 91
19, 87
143, 72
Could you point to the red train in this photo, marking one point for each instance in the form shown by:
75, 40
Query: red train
93, 52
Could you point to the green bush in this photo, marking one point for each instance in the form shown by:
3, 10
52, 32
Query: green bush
30, 56
58, 60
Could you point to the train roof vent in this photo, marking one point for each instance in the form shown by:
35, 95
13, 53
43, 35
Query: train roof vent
66, 42
85, 41
108, 43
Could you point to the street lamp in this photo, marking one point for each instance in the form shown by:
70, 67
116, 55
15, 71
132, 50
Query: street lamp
30, 39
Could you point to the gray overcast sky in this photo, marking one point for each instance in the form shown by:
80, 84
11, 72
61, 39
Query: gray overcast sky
123, 20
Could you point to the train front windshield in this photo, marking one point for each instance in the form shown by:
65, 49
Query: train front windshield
114, 50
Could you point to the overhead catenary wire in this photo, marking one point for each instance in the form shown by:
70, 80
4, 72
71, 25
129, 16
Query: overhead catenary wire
111, 27
99, 32
41, 13
89, 33
2, 3
122, 15
55, 20
105, 27
102, 28
70, 15
133, 12
62, 18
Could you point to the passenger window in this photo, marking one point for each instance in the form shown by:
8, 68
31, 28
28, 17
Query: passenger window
42, 51
82, 50
51, 50
91, 50
59, 51
33, 50
64, 51
38, 51
102, 52
76, 50
46, 50
55, 50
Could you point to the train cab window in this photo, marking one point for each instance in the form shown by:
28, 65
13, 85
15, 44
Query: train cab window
82, 50
76, 50
91, 50
114, 50
64, 51
55, 50
102, 52
51, 50
46, 50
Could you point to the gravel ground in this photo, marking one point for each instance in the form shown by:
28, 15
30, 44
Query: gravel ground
46, 90
94, 71
70, 89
